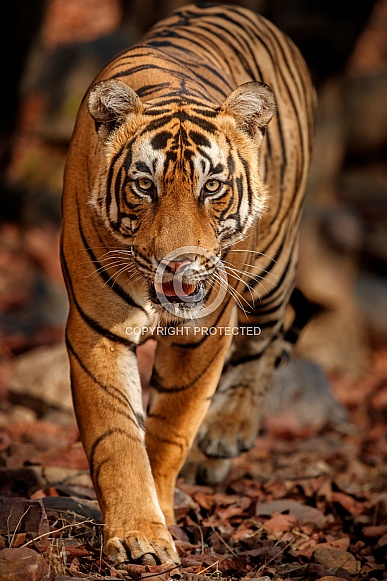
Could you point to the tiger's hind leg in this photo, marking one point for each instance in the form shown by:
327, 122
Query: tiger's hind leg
200, 469
233, 420
232, 424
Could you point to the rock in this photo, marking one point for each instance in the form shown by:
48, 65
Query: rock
87, 509
372, 295
17, 413
25, 481
301, 387
381, 548
363, 189
65, 578
21, 481
374, 531
41, 380
336, 338
59, 418
20, 515
22, 564
73, 477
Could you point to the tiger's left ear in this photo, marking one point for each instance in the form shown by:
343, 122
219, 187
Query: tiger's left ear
109, 104
253, 105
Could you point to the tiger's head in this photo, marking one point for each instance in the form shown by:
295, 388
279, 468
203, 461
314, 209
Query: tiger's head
180, 182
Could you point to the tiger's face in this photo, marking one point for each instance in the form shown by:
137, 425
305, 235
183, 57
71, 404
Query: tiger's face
180, 184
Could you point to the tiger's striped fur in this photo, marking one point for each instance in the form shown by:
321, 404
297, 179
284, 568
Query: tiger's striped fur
172, 148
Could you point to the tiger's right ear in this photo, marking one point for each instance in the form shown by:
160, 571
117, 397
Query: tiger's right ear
109, 103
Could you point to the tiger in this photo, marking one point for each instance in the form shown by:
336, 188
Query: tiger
182, 199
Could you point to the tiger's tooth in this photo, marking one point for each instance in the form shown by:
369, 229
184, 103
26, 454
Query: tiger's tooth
188, 289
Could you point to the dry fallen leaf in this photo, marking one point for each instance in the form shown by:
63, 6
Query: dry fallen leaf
349, 503
332, 559
331, 578
373, 531
280, 523
302, 513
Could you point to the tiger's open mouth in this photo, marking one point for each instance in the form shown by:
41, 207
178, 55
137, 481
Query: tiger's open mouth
176, 291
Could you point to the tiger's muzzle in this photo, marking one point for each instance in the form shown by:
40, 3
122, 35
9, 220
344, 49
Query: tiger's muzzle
179, 281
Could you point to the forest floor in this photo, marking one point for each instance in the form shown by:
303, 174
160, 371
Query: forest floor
306, 503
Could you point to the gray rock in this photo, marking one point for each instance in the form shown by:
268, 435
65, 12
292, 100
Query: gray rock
302, 388
41, 380
372, 297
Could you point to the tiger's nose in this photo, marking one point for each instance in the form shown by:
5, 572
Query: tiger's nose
174, 265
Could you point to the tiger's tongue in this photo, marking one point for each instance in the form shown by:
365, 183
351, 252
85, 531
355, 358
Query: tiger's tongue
168, 290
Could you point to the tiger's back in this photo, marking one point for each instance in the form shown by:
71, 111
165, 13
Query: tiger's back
172, 150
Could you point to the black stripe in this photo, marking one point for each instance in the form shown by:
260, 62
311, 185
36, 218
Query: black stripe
278, 289
111, 390
92, 323
113, 286
182, 447
252, 357
102, 438
156, 383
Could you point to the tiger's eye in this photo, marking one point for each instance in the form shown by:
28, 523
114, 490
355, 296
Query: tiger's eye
212, 186
144, 184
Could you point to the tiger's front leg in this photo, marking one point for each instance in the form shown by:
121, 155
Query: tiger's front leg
107, 397
185, 377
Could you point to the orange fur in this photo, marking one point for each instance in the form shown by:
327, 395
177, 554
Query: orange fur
168, 119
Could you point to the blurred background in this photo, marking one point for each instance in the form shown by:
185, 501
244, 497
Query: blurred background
50, 52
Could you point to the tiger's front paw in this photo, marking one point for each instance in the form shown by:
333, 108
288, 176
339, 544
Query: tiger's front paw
151, 547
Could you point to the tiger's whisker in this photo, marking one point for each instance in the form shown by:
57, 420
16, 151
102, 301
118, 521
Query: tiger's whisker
115, 276
249, 274
233, 292
251, 266
250, 288
252, 252
112, 265
256, 279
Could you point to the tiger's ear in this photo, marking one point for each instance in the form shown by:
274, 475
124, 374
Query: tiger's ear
253, 105
109, 103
